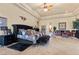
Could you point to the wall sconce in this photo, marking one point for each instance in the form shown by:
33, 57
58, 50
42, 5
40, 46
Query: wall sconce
23, 18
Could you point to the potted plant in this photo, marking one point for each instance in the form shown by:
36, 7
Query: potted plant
54, 28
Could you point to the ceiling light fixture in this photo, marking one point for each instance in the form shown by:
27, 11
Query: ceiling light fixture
47, 7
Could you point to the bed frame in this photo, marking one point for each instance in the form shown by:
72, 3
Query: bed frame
16, 27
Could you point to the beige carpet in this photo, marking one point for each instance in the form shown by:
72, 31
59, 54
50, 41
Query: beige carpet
56, 46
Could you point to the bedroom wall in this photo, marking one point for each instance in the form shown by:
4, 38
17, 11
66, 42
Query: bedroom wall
55, 21
12, 13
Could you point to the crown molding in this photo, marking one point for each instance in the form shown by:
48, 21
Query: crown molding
68, 15
74, 14
26, 8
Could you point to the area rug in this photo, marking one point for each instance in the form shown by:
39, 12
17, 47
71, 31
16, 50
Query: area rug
19, 46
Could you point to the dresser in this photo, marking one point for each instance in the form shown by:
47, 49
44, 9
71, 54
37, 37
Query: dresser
6, 39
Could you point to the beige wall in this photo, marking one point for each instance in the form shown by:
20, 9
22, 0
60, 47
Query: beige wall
55, 21
12, 13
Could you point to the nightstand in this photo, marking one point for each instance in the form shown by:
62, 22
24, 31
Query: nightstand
6, 39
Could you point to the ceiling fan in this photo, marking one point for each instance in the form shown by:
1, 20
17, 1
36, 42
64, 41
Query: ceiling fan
47, 6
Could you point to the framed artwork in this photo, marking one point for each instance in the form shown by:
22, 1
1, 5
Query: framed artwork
62, 26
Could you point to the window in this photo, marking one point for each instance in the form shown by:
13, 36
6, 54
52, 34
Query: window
3, 22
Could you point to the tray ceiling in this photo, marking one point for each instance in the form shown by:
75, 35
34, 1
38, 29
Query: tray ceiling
58, 8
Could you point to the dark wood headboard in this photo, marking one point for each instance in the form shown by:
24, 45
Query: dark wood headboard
16, 27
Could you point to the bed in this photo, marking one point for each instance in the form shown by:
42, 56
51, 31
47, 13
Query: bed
28, 39
22, 38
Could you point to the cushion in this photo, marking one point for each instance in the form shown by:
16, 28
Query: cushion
22, 32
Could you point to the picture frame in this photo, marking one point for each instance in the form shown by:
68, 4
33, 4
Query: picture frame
62, 25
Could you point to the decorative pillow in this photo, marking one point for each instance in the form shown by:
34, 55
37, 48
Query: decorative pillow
19, 32
22, 32
29, 32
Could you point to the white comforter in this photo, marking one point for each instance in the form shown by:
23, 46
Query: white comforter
26, 37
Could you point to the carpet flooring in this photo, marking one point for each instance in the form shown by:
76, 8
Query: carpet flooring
56, 46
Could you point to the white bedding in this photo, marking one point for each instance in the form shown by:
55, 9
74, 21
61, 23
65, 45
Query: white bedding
26, 37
